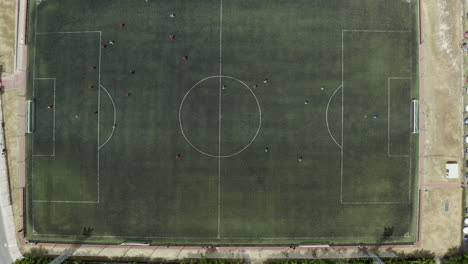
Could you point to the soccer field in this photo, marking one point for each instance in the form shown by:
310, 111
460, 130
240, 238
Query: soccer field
266, 122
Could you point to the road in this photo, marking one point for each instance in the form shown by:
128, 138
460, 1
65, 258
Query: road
5, 257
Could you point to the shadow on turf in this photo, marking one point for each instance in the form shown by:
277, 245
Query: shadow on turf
75, 245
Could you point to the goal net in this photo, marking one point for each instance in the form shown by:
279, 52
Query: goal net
415, 116
29, 116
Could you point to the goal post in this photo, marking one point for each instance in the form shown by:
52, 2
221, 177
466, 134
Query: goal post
29, 116
414, 116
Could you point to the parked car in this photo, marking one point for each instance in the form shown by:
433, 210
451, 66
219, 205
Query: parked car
466, 121
466, 139
465, 239
465, 230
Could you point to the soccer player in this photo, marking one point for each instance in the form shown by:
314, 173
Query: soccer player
185, 58
255, 86
265, 81
375, 116
91, 86
178, 156
171, 37
95, 112
111, 42
50, 107
93, 68
103, 46
132, 71
266, 150
306, 102
299, 159
128, 94
122, 26
172, 15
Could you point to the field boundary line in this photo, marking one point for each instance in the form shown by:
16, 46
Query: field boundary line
32, 136
53, 121
395, 202
220, 113
58, 201
389, 115
224, 238
410, 180
115, 118
326, 116
342, 115
376, 31
99, 117
68, 32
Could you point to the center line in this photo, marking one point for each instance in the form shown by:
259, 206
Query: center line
219, 111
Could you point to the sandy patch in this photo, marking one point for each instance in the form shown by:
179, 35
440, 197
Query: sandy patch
7, 35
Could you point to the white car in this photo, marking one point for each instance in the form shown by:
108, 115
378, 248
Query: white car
465, 230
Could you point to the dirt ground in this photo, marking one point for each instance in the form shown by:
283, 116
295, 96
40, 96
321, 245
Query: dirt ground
441, 229
442, 65
7, 35
443, 86
10, 113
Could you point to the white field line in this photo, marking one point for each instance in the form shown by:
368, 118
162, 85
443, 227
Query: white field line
410, 180
376, 31
389, 116
115, 118
68, 32
259, 118
395, 202
57, 201
99, 116
342, 114
326, 116
342, 107
53, 130
411, 40
220, 113
225, 238
33, 94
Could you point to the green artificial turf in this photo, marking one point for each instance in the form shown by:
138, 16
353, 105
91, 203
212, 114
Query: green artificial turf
272, 115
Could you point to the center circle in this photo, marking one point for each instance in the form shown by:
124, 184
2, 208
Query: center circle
220, 116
